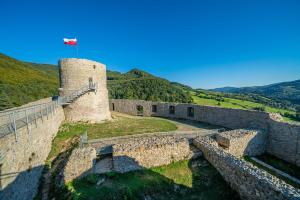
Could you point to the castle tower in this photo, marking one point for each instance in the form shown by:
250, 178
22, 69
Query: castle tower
92, 106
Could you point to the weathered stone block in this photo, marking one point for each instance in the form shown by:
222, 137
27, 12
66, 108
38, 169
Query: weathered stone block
242, 142
80, 163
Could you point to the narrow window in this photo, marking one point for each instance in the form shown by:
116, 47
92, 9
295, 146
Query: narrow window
172, 110
154, 108
113, 106
190, 112
90, 82
140, 110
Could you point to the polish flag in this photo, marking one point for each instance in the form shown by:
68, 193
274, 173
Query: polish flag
71, 42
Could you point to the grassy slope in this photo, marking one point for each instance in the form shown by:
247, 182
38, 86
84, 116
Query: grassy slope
180, 180
235, 103
203, 99
22, 82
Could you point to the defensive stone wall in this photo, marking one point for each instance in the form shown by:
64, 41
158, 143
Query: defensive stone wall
283, 139
149, 152
226, 117
22, 161
249, 181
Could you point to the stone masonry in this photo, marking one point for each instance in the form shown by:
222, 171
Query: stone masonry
92, 106
80, 163
149, 152
242, 142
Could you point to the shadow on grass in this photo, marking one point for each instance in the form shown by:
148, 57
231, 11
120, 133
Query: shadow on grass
188, 179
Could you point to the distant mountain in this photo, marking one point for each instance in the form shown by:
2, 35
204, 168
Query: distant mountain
22, 82
137, 84
225, 89
286, 92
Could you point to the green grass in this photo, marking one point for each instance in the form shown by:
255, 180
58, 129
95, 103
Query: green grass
179, 180
278, 164
203, 99
119, 126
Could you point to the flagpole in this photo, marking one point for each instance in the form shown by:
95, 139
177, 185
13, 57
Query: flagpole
76, 48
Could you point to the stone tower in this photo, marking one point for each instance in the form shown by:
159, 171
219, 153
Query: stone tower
92, 106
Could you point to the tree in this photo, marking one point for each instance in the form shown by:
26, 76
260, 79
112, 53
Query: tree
298, 112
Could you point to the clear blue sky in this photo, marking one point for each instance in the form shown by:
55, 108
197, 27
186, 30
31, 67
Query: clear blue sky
204, 44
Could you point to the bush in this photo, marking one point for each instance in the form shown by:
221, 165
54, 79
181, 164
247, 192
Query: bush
260, 108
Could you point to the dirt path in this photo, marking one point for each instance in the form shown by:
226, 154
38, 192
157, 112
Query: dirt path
182, 125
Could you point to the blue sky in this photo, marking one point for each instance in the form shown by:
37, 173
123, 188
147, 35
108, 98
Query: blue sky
204, 44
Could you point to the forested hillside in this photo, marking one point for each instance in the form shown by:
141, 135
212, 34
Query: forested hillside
137, 84
22, 82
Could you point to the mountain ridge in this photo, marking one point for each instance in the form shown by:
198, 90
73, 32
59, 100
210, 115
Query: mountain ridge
288, 91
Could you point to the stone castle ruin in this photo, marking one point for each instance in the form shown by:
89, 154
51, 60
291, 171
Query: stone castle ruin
26, 134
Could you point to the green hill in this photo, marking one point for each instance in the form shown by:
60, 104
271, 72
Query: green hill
137, 84
22, 82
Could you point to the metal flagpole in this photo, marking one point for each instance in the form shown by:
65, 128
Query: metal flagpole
76, 48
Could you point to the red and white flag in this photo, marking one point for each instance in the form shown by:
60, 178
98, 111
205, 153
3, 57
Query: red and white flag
71, 42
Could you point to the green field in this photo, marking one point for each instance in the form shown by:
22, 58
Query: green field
195, 179
205, 99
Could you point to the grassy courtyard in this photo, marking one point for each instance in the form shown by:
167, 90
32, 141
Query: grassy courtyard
180, 180
119, 126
